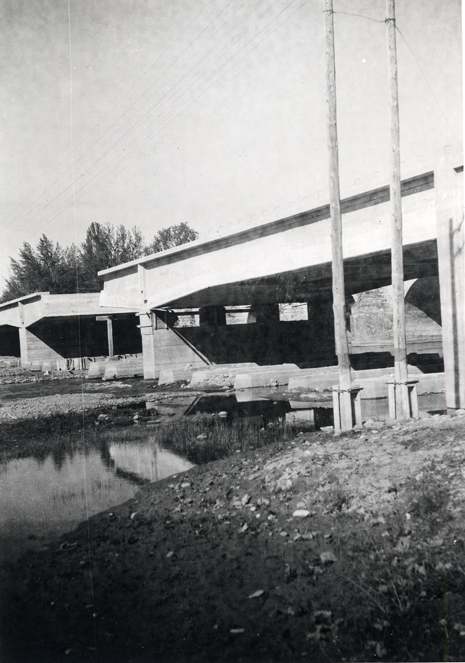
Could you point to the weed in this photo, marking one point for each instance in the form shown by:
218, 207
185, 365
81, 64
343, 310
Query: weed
204, 438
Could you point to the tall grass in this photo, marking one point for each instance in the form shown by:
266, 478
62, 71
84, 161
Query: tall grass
204, 439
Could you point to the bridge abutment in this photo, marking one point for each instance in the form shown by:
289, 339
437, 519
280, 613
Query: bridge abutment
163, 348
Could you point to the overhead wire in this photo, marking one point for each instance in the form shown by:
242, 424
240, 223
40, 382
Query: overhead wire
50, 219
429, 86
128, 108
369, 18
88, 137
114, 144
193, 99
131, 129
164, 71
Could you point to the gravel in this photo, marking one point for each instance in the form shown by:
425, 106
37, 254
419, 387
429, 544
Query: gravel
44, 406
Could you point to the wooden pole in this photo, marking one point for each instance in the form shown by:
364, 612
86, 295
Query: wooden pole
342, 346
397, 262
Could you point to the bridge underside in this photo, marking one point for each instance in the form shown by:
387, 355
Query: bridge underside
315, 282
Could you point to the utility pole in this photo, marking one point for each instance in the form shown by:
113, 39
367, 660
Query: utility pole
340, 332
397, 260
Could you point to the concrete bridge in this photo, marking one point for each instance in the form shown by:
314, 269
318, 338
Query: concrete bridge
289, 260
45, 328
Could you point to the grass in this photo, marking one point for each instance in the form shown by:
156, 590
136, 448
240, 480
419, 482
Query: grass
41, 437
404, 582
204, 438
200, 438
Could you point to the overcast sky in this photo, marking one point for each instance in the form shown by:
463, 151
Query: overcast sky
153, 112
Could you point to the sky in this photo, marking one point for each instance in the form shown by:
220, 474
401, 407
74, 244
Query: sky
212, 112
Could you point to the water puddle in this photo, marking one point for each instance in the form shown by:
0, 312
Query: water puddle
42, 499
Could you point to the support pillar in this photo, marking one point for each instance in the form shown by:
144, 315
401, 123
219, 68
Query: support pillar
23, 345
164, 347
109, 320
147, 331
34, 349
448, 183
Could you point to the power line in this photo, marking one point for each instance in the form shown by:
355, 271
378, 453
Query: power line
375, 20
429, 86
127, 109
138, 122
202, 92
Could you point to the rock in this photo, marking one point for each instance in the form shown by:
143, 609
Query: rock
328, 557
284, 484
380, 650
301, 513
257, 594
373, 425
245, 500
237, 630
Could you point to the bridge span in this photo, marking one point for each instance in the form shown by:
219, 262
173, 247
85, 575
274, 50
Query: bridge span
289, 260
41, 327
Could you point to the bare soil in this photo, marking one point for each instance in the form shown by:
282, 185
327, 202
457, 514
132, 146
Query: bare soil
324, 548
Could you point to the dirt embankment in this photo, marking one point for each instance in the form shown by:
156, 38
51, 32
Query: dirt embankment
330, 548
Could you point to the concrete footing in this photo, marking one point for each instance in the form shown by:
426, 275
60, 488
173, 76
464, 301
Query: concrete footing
373, 381
219, 375
124, 369
169, 375
303, 418
266, 376
96, 370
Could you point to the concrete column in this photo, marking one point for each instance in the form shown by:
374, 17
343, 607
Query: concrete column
23, 345
33, 348
109, 320
448, 182
164, 348
146, 326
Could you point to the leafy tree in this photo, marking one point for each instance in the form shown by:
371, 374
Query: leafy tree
167, 238
48, 268
106, 246
52, 268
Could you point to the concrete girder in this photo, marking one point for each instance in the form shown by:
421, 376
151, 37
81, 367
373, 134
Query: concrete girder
298, 244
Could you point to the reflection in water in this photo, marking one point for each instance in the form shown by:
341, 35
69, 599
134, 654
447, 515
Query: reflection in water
150, 463
44, 498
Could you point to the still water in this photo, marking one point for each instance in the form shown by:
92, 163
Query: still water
42, 499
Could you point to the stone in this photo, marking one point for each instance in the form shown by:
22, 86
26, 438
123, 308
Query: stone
328, 557
301, 513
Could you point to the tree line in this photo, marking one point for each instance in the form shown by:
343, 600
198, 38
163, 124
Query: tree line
61, 270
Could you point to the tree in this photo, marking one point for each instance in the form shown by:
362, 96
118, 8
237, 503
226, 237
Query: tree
52, 268
106, 246
167, 238
48, 268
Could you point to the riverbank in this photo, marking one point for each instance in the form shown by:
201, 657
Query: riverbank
320, 548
